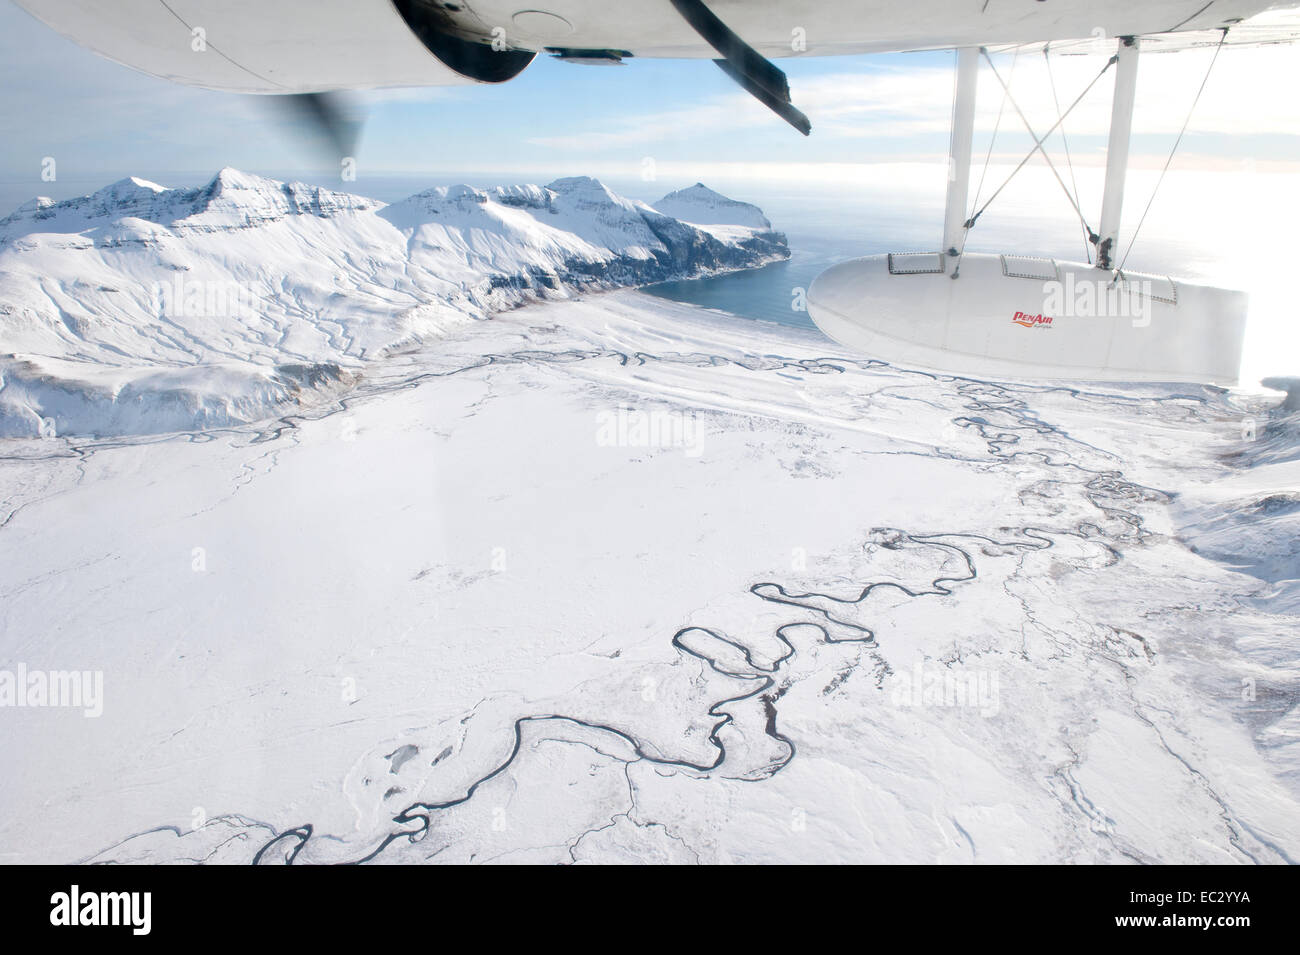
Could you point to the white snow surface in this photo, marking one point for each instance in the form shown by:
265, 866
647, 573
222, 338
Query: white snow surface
223, 304
620, 580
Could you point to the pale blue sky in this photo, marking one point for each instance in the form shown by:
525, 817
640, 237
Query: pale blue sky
102, 121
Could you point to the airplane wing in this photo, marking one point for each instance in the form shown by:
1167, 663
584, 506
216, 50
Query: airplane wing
309, 46
1271, 28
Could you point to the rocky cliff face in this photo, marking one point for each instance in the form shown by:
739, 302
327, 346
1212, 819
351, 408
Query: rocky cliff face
211, 290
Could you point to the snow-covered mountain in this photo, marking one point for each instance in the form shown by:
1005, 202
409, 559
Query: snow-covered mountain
141, 308
702, 206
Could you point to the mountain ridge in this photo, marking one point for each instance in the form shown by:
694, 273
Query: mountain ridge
252, 275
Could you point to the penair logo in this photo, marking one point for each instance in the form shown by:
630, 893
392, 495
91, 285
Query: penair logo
130, 909
1032, 321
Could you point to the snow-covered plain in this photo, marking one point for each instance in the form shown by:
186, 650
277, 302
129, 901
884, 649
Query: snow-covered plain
618, 580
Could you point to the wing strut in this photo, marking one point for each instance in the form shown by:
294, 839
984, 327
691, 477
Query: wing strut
1121, 127
959, 149
1037, 148
756, 74
1177, 142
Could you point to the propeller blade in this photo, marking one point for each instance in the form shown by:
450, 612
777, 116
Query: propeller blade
755, 73
329, 115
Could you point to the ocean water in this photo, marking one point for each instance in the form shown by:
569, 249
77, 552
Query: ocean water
824, 224
768, 294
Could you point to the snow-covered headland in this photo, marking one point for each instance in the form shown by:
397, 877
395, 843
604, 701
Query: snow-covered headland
140, 309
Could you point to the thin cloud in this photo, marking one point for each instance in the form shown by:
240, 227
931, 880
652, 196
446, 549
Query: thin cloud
896, 102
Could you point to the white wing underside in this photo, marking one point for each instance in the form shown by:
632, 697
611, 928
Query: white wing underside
1267, 29
301, 46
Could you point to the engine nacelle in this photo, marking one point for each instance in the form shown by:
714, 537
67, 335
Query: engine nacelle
285, 46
